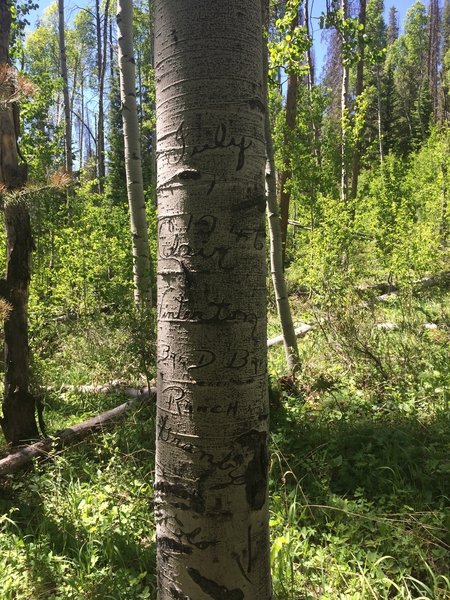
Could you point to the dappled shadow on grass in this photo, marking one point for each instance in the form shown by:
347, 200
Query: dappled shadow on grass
62, 409
406, 456
83, 521
363, 501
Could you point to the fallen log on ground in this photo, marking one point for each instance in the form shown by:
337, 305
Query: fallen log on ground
389, 326
75, 316
118, 387
14, 461
299, 332
386, 288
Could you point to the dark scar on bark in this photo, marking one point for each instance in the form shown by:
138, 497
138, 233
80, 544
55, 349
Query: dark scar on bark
249, 546
196, 502
177, 595
256, 472
256, 201
241, 568
168, 545
257, 104
211, 187
213, 589
189, 174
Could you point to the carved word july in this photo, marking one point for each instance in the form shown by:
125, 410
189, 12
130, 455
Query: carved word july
221, 140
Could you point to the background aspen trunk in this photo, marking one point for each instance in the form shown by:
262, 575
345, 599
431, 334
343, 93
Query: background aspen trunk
359, 89
379, 118
276, 263
276, 246
133, 164
212, 420
286, 172
63, 61
102, 38
344, 109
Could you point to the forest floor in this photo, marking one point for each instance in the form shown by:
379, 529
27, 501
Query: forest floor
360, 469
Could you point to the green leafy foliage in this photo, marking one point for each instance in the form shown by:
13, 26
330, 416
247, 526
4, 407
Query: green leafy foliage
350, 31
359, 475
288, 46
81, 526
359, 471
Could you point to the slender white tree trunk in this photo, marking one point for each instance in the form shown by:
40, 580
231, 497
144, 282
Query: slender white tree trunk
102, 39
63, 65
276, 243
289, 129
212, 420
133, 164
359, 89
276, 264
344, 111
379, 117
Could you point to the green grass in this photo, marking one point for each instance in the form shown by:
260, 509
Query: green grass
360, 510
81, 525
360, 469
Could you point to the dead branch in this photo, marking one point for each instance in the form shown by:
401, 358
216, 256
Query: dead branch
73, 316
418, 285
66, 437
299, 332
106, 388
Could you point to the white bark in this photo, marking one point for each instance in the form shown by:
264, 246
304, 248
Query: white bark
298, 332
276, 243
133, 164
63, 65
344, 110
379, 118
276, 268
212, 420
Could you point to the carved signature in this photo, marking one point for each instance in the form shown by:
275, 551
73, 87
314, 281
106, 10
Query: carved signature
221, 140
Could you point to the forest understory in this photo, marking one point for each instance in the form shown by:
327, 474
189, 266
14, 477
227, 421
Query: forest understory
359, 474
357, 183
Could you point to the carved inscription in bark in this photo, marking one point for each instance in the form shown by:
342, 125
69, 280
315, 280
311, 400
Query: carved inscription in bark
211, 461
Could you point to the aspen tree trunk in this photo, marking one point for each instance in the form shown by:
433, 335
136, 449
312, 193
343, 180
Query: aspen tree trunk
63, 64
309, 59
151, 16
344, 113
74, 83
310, 84
379, 118
434, 26
102, 36
111, 50
212, 420
133, 164
19, 422
359, 88
443, 229
100, 141
276, 253
286, 173
81, 122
